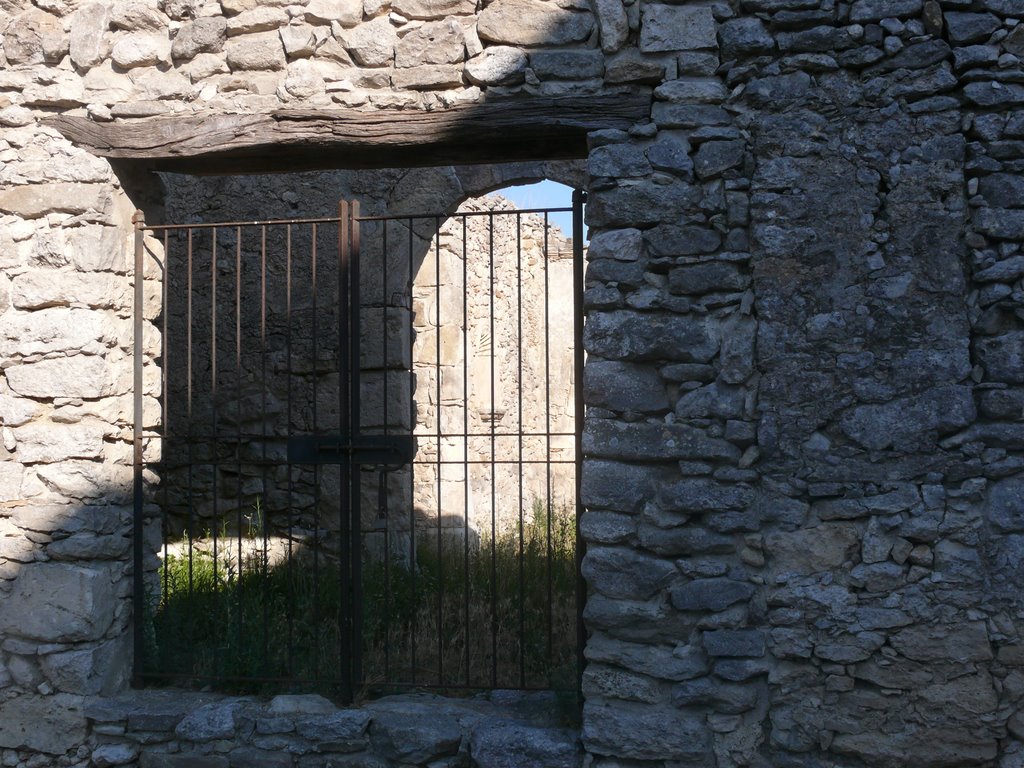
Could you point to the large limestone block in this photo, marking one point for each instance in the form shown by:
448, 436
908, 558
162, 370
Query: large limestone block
433, 9
11, 474
141, 50
260, 52
206, 35
348, 13
34, 37
134, 15
612, 23
89, 42
497, 65
676, 28
43, 441
440, 42
34, 200
533, 22
58, 603
261, 19
85, 376
86, 480
59, 329
647, 733
372, 44
622, 335
49, 724
95, 248
44, 288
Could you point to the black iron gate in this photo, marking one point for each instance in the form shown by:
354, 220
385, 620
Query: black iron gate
361, 459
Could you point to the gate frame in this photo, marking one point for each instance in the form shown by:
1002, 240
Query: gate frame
352, 449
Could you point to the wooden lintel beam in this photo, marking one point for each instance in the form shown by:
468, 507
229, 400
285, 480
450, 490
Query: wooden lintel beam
509, 129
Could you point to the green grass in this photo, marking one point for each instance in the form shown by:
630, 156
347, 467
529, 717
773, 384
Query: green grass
461, 619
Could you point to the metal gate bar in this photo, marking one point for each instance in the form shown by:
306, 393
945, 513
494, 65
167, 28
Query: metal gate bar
259, 584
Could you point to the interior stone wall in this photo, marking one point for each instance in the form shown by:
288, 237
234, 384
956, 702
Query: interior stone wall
805, 375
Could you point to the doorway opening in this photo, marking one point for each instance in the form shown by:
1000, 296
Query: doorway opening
366, 473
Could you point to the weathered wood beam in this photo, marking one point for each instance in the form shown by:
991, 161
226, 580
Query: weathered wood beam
502, 130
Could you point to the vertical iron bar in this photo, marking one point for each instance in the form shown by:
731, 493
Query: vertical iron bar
164, 408
317, 629
547, 435
494, 467
345, 374
138, 501
579, 197
190, 427
355, 404
465, 443
440, 466
238, 429
213, 423
385, 303
522, 430
290, 602
264, 511
413, 566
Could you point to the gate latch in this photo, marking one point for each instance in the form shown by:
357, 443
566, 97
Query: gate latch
362, 449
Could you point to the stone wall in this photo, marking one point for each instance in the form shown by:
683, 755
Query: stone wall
804, 334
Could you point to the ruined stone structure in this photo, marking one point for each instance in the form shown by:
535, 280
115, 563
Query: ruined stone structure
805, 380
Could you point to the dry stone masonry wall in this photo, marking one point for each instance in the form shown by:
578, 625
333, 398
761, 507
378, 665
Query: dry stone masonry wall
805, 335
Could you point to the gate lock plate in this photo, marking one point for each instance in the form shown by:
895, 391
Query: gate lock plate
364, 449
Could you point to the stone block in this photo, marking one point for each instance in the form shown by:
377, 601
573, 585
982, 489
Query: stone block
746, 37
209, 722
88, 44
618, 244
348, 13
433, 9
876, 10
623, 334
508, 745
676, 28
959, 644
43, 441
603, 438
647, 732
912, 420
618, 487
735, 642
1002, 356
497, 65
967, 28
85, 376
109, 755
1005, 507
532, 22
259, 52
204, 35
48, 724
707, 276
728, 698
621, 386
624, 573
698, 495
436, 42
141, 50
662, 662
150, 759
715, 594
418, 740
31, 201
682, 240
59, 603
